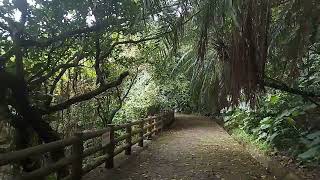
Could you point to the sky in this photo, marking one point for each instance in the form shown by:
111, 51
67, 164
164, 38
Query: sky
90, 19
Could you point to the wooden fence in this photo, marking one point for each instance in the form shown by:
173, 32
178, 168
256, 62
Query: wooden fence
141, 129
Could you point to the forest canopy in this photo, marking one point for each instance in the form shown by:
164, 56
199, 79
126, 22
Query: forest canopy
68, 65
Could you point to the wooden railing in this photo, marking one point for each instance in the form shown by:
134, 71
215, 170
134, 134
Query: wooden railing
108, 147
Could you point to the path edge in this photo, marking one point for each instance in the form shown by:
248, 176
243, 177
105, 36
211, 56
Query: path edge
268, 162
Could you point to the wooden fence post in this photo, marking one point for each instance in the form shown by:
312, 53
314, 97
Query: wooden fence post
129, 138
156, 125
172, 116
110, 149
150, 129
77, 152
141, 125
161, 124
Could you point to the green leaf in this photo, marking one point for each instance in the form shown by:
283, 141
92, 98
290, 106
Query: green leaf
114, 35
314, 135
273, 136
274, 99
265, 126
266, 120
315, 142
311, 153
291, 121
286, 113
262, 135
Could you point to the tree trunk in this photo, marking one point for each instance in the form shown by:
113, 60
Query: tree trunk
31, 115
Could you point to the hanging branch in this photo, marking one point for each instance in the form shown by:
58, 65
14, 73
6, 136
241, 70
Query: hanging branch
52, 72
283, 87
85, 96
121, 99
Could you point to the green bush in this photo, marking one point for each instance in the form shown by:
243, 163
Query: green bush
312, 150
274, 122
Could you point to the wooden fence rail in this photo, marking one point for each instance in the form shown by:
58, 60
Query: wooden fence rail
109, 147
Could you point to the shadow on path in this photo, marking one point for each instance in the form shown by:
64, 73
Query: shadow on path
194, 148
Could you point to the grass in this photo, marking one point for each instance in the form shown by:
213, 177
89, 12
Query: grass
248, 139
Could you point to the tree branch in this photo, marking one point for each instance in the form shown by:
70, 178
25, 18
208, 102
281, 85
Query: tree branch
52, 72
284, 87
130, 86
86, 96
48, 41
53, 87
121, 99
97, 61
75, 63
109, 51
30, 115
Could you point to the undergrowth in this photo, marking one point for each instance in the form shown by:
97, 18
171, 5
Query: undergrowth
242, 136
278, 124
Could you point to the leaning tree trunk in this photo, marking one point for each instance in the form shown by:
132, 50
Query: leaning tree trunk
31, 115
22, 136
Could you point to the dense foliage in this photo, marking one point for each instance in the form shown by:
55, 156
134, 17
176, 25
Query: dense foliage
70, 65
67, 66
281, 121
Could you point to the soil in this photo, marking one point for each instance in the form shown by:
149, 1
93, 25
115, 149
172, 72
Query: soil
195, 147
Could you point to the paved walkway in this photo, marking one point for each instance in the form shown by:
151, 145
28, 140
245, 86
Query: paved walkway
194, 148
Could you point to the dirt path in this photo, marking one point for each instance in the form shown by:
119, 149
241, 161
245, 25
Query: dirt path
194, 148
